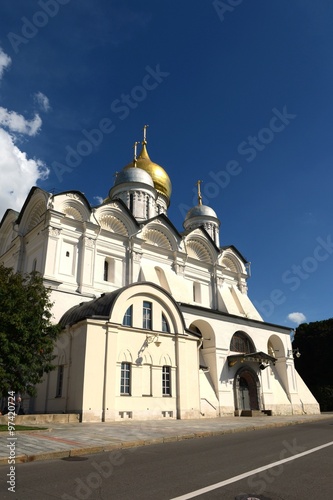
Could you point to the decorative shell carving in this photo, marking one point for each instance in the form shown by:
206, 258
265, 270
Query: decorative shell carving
73, 213
197, 250
36, 215
229, 264
157, 238
113, 224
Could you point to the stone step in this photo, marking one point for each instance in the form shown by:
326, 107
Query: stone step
255, 413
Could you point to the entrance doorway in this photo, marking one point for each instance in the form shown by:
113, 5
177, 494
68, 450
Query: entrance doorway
244, 394
247, 391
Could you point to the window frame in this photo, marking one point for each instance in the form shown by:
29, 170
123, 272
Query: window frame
166, 381
147, 319
125, 378
165, 324
241, 342
128, 314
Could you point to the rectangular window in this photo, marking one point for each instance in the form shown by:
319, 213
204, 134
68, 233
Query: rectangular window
125, 379
127, 319
106, 270
60, 380
147, 315
166, 381
196, 292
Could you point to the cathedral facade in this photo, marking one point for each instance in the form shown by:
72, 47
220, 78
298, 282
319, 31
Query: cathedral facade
156, 323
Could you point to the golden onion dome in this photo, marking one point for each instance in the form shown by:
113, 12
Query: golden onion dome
160, 178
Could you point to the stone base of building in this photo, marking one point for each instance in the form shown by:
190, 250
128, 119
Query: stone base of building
43, 418
123, 415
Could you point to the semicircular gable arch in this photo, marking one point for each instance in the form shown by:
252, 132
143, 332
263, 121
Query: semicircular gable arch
33, 210
74, 205
151, 292
7, 230
231, 263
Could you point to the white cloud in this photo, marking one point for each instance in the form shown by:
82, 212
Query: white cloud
99, 200
4, 62
17, 173
297, 317
17, 123
43, 101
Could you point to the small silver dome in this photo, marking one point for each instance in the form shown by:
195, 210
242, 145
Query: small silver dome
200, 211
133, 174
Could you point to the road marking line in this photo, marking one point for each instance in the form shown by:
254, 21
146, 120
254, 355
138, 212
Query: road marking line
250, 473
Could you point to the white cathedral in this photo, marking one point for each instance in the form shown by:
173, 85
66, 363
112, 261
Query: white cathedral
156, 323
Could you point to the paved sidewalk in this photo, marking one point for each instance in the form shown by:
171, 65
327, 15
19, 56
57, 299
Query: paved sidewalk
70, 439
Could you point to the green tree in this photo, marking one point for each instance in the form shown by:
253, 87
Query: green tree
27, 335
315, 343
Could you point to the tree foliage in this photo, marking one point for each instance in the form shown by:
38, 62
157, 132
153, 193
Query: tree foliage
27, 334
315, 343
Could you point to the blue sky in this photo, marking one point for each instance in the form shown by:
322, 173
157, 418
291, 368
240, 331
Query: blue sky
237, 94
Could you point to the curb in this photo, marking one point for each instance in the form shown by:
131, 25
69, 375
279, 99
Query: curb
90, 450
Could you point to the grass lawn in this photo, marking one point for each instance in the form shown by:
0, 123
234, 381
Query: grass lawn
4, 428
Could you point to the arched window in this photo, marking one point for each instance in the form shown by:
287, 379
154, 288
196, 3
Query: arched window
240, 342
165, 324
128, 317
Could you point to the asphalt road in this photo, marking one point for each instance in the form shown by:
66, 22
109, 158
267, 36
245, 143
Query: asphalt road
303, 457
